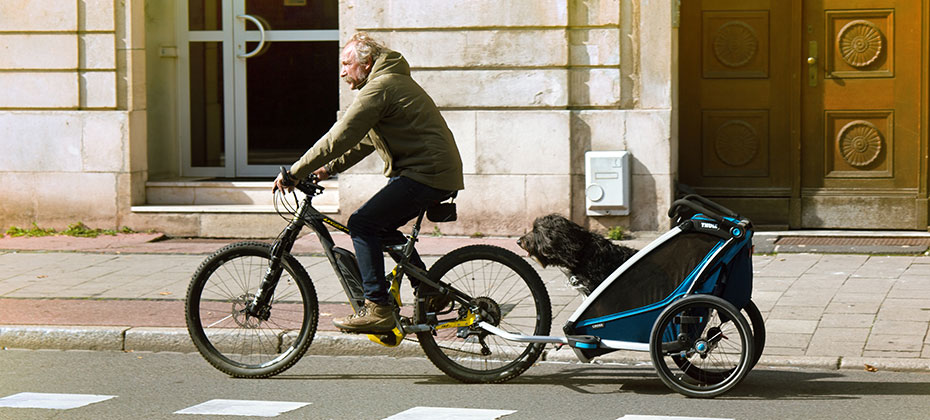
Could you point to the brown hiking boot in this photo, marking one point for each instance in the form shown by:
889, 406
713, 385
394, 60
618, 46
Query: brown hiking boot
371, 318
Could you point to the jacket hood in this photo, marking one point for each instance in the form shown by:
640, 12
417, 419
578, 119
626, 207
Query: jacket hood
389, 62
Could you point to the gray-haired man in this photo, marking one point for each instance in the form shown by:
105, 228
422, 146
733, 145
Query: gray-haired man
393, 116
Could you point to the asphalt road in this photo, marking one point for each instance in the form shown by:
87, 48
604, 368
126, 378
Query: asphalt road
156, 385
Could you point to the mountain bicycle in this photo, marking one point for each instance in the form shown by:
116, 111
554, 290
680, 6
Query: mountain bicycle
252, 309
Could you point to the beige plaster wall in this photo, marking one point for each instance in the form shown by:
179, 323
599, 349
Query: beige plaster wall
527, 88
72, 112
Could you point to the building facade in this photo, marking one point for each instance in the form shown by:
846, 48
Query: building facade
174, 115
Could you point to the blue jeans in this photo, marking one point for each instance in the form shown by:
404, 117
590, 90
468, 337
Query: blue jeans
379, 218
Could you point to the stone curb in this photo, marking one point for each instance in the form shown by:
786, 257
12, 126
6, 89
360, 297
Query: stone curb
149, 339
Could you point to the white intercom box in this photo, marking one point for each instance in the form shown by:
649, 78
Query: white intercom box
607, 183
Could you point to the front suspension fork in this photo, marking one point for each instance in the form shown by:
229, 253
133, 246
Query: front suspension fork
260, 306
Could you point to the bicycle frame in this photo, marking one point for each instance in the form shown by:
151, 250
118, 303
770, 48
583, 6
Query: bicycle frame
307, 215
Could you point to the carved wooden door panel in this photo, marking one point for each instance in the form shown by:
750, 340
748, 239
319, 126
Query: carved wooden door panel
734, 119
805, 113
860, 115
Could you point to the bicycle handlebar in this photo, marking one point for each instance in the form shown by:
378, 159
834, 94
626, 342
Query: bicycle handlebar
307, 186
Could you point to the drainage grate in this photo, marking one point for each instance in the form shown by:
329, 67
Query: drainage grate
851, 241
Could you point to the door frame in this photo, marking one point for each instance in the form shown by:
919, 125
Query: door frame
794, 114
923, 209
233, 38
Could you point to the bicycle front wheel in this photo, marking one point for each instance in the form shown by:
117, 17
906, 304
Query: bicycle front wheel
514, 298
231, 340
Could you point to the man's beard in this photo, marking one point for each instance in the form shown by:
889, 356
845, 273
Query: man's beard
355, 83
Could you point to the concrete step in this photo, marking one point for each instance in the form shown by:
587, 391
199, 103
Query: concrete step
199, 192
219, 208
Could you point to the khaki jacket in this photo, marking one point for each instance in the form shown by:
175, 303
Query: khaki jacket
394, 116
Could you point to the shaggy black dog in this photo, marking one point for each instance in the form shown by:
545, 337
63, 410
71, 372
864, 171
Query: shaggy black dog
588, 257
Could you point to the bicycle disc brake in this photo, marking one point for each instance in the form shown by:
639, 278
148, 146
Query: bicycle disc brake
242, 309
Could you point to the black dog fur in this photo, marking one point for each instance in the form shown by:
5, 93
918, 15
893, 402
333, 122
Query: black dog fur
588, 257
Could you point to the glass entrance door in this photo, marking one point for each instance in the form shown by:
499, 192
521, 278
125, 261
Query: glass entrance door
259, 83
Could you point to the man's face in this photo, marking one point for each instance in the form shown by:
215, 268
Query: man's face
353, 72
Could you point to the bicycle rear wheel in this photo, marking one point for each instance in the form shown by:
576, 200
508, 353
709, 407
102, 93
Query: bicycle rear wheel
508, 289
239, 344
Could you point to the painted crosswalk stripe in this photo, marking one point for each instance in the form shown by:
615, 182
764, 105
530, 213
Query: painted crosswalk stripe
445, 413
638, 417
243, 408
51, 401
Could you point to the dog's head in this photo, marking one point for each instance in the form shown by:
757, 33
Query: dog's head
555, 240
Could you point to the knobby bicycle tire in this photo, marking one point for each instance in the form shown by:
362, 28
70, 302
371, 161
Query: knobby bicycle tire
506, 285
245, 346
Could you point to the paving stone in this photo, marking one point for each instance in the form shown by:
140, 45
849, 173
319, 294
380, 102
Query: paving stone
789, 340
902, 293
903, 314
819, 282
834, 348
874, 286
837, 264
796, 298
771, 284
857, 298
857, 335
796, 312
884, 267
790, 326
916, 328
853, 307
785, 266
894, 343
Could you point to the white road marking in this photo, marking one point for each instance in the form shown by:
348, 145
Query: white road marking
243, 408
51, 401
445, 413
639, 417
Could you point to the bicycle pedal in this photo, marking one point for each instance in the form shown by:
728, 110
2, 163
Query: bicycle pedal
390, 339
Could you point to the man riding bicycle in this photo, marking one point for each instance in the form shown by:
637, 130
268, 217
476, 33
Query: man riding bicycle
394, 116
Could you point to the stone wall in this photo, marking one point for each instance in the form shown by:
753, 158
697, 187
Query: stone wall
527, 87
72, 112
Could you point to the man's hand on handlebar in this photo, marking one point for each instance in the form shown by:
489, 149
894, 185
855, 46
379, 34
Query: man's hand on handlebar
279, 184
322, 173
284, 182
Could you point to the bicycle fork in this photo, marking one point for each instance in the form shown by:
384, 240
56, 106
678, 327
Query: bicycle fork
260, 306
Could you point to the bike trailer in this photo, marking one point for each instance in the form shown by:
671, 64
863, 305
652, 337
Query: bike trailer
707, 252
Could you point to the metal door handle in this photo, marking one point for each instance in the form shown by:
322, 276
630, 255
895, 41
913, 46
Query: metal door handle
812, 70
261, 32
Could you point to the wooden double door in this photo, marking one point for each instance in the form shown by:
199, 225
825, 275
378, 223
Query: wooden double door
806, 114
